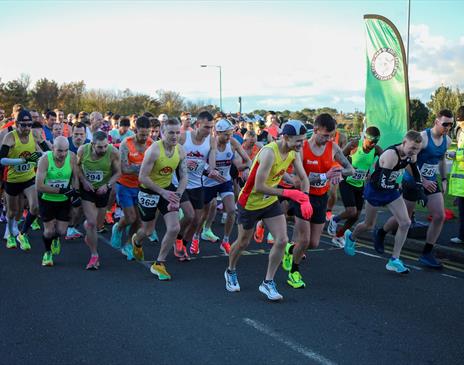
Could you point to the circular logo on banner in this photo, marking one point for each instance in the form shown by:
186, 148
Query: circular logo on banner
384, 64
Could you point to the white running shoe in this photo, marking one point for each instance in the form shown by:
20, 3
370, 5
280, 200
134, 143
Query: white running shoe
332, 227
338, 242
232, 284
456, 240
270, 290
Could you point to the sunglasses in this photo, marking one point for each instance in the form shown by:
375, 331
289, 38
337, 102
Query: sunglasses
25, 125
372, 139
446, 124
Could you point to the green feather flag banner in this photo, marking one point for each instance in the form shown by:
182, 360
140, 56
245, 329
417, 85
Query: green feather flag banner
387, 90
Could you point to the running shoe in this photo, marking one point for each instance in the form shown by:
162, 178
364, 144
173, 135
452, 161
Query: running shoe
11, 242
328, 215
269, 289
223, 218
102, 229
332, 226
378, 239
72, 234
128, 252
456, 240
154, 237
94, 263
225, 247
270, 239
349, 244
430, 261
208, 235
232, 284
118, 213
295, 280
185, 256
138, 250
287, 260
396, 265
259, 233
109, 218
195, 246
159, 269
179, 249
35, 226
56, 246
116, 236
24, 243
338, 242
47, 259
3, 218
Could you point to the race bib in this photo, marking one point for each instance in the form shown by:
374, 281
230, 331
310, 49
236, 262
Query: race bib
320, 183
57, 183
24, 167
195, 165
360, 174
94, 176
148, 200
428, 170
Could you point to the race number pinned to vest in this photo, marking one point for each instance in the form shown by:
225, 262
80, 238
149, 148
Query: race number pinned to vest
94, 176
24, 167
61, 184
428, 170
148, 200
359, 174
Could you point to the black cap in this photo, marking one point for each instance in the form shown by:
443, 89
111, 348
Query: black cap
24, 116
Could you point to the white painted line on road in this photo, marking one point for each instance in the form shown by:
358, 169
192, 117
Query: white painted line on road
450, 276
370, 254
295, 346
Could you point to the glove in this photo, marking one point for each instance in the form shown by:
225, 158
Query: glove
422, 199
66, 191
295, 195
34, 157
306, 210
76, 202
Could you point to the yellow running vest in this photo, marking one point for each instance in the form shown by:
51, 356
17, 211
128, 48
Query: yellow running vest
252, 200
164, 167
25, 171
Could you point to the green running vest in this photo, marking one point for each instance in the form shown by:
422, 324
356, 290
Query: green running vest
361, 162
57, 177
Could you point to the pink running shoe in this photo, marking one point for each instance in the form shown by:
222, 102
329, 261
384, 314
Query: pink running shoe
195, 246
93, 264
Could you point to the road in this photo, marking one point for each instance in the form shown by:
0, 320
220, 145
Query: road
352, 312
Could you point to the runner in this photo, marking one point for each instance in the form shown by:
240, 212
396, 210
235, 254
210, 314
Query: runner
430, 160
339, 139
132, 150
19, 153
186, 119
258, 200
383, 190
99, 169
158, 193
200, 152
225, 154
362, 155
77, 139
53, 180
318, 155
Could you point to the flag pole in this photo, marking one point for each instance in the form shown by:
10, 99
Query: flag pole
409, 22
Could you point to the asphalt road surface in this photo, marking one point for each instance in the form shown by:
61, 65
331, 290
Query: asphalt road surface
352, 311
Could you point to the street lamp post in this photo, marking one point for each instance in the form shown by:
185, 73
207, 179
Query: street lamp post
220, 82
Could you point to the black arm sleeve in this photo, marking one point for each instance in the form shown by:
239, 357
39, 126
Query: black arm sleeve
44, 146
415, 173
382, 181
4, 151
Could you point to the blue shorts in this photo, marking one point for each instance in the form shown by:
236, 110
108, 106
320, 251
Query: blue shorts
380, 198
223, 190
126, 197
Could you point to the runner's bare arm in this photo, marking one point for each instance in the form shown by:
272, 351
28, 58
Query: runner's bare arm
75, 169
127, 168
80, 172
342, 160
266, 160
149, 160
41, 173
115, 166
300, 172
183, 173
238, 147
350, 146
212, 154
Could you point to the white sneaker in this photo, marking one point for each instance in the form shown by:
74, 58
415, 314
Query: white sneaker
118, 214
269, 289
223, 218
338, 242
332, 227
456, 240
232, 284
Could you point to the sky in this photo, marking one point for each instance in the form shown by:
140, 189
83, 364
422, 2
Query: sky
276, 55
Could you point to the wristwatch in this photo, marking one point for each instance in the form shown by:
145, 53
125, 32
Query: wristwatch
108, 186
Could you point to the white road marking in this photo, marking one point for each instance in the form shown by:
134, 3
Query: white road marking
450, 276
295, 346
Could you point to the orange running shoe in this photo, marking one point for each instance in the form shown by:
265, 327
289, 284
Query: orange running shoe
328, 215
109, 218
195, 246
259, 232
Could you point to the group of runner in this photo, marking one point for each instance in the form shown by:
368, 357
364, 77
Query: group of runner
263, 174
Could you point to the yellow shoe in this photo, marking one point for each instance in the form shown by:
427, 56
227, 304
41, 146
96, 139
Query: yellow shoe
159, 269
138, 250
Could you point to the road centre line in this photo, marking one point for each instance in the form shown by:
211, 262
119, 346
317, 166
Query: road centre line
295, 346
